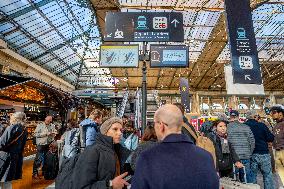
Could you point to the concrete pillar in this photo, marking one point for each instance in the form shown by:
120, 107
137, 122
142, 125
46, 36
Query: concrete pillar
272, 100
195, 106
233, 103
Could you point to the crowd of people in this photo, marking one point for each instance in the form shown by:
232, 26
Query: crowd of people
170, 154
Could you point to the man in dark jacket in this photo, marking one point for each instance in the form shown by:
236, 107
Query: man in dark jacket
175, 162
276, 113
261, 158
185, 121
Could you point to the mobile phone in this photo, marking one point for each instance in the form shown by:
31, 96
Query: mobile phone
127, 178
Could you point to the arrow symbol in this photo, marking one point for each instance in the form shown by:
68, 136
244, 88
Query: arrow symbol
175, 21
247, 77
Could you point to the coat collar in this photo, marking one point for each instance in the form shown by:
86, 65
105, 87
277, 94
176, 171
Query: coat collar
176, 138
104, 140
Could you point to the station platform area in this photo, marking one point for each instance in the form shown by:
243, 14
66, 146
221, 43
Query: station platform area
27, 182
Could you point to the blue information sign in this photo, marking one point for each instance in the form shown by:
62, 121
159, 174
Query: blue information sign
244, 55
144, 26
169, 56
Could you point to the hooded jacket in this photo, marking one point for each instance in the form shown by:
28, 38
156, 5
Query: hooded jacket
88, 130
97, 164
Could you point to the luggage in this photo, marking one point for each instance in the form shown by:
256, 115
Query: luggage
51, 165
229, 183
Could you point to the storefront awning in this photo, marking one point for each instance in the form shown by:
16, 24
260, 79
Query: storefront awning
30, 90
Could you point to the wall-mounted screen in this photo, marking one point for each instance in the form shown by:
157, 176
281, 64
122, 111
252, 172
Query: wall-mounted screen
119, 56
169, 56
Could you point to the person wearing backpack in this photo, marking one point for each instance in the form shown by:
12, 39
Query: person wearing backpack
90, 127
101, 165
13, 142
71, 140
226, 156
193, 134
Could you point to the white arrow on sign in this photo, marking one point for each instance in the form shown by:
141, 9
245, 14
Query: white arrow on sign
247, 77
175, 22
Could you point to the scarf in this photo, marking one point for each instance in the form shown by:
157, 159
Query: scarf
117, 166
224, 143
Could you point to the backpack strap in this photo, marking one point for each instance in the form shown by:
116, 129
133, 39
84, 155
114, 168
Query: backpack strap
190, 131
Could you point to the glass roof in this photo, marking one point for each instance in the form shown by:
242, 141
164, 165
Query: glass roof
62, 36
268, 22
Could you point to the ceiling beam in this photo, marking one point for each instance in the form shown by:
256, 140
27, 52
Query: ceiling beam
29, 9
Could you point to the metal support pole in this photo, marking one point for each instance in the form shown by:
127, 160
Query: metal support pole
144, 97
144, 89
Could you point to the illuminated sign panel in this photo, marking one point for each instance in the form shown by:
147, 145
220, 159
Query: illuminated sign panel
119, 56
169, 56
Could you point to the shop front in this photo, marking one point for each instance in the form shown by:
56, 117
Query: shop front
37, 100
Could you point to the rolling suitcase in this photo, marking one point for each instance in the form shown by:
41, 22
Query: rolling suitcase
229, 183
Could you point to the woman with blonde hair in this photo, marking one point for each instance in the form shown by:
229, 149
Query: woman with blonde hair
13, 141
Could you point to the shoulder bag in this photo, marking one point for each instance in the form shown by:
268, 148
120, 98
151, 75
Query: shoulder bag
5, 157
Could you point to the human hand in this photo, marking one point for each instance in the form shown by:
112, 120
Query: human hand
239, 165
118, 182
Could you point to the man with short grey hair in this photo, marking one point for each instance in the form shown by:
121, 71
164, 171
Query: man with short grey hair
44, 133
242, 140
175, 162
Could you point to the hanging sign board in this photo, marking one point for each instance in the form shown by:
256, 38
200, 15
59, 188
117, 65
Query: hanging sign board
169, 56
144, 26
244, 55
184, 93
119, 56
240, 89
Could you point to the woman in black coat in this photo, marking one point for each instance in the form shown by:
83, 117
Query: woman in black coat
100, 165
225, 153
14, 147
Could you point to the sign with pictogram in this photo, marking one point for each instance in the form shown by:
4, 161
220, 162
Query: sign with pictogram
244, 55
144, 26
169, 56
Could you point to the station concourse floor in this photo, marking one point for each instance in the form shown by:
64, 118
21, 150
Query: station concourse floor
27, 182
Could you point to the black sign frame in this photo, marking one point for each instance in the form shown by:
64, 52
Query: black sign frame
138, 26
170, 65
118, 45
244, 54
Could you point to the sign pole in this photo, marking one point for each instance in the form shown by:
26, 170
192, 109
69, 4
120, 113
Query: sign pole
144, 89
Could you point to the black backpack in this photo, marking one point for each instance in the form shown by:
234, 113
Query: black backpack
51, 166
64, 177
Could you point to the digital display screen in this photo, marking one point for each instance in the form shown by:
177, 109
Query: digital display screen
169, 56
144, 26
119, 56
